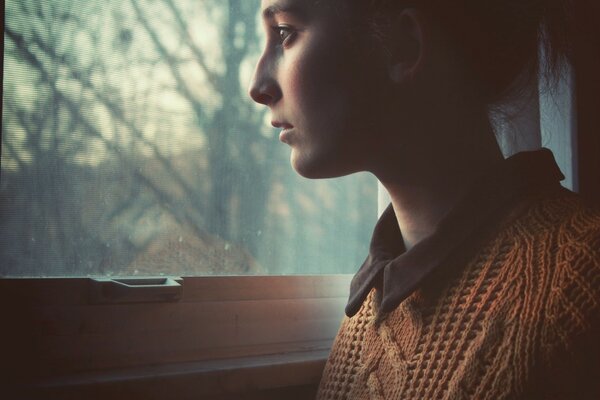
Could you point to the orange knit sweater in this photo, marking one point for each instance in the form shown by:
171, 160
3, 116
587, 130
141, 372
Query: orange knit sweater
517, 321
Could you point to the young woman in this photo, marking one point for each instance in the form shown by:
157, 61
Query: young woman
483, 278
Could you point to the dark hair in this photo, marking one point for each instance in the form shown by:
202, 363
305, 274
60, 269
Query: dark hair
499, 40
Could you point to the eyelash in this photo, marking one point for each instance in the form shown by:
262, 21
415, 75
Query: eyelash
284, 40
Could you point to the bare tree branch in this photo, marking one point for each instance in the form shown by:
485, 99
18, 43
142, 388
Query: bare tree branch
115, 110
181, 84
183, 29
179, 213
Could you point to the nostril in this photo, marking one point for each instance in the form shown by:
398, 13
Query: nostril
258, 95
262, 98
266, 93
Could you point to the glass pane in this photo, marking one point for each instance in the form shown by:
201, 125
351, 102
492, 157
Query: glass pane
130, 147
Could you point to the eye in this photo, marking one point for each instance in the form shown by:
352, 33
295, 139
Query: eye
284, 34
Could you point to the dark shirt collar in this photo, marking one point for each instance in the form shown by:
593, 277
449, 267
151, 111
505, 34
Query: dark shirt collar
397, 272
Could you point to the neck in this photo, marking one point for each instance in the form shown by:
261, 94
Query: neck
438, 181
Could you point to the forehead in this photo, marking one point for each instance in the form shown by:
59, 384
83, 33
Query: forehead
301, 9
271, 8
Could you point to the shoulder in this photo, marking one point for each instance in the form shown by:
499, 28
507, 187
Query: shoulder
554, 241
558, 237
574, 248
563, 223
568, 231
569, 336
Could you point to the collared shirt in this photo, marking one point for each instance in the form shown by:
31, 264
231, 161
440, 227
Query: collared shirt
397, 272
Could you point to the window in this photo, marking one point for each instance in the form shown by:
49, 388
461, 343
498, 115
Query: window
130, 147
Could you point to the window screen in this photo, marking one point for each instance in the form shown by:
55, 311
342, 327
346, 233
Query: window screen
130, 147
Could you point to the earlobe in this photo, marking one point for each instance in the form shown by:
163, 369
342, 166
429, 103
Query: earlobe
406, 46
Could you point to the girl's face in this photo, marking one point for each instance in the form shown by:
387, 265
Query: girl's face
326, 91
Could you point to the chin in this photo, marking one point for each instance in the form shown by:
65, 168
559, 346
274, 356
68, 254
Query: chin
318, 167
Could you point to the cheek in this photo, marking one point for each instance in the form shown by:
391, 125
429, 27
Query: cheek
296, 82
304, 71
318, 86
332, 94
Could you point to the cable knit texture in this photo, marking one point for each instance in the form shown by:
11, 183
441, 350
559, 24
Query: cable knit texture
518, 320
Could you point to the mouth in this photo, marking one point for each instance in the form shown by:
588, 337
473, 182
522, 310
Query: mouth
286, 131
283, 125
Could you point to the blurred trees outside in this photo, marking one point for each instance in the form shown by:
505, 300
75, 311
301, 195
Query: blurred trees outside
130, 146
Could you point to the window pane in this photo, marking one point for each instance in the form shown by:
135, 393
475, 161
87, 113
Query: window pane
129, 147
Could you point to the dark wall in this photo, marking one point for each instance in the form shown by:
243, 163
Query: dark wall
587, 76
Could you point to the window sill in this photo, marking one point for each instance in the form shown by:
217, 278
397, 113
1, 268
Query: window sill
208, 379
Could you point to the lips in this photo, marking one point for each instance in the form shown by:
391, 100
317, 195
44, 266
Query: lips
286, 131
282, 125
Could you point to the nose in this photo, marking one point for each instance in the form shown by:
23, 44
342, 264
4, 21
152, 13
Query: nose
264, 89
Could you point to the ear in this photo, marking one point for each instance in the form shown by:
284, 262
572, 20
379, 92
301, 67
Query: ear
406, 45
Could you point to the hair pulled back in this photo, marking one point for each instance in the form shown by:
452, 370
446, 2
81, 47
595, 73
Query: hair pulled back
499, 41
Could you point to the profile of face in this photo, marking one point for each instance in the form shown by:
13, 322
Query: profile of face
326, 90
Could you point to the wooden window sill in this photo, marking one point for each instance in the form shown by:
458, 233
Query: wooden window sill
213, 379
